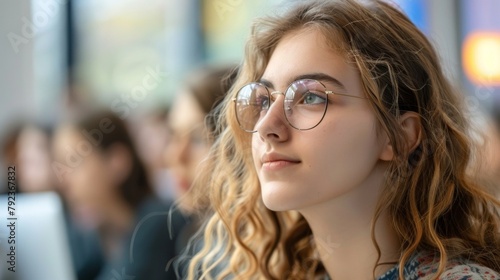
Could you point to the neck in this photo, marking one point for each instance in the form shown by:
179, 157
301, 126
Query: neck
344, 235
117, 222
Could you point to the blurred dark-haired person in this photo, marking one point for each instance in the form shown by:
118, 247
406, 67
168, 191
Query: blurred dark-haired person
151, 136
192, 132
107, 188
193, 129
26, 146
492, 150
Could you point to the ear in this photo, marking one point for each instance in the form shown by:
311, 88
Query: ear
411, 124
119, 160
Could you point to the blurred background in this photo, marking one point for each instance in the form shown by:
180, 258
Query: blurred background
64, 58
59, 55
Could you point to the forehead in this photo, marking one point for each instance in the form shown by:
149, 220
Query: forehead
186, 113
306, 51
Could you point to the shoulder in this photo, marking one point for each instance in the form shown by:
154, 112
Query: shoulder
469, 271
155, 217
424, 266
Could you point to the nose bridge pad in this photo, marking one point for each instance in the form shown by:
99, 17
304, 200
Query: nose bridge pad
274, 97
286, 103
287, 106
275, 94
274, 121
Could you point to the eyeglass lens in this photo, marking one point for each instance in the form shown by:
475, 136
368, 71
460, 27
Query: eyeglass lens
304, 104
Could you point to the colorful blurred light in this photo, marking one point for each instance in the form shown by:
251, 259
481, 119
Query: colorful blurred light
481, 58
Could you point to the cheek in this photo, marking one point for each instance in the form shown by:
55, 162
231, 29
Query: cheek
198, 154
345, 151
258, 147
90, 181
201, 152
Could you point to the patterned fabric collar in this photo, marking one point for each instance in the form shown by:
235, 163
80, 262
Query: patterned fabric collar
424, 265
391, 274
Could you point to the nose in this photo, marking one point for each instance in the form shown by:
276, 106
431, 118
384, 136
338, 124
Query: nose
177, 152
273, 126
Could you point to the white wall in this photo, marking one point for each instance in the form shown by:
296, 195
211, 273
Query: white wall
16, 63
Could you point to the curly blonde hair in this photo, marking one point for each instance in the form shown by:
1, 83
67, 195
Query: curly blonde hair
433, 201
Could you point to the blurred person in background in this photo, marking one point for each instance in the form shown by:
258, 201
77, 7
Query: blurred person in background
27, 147
151, 137
192, 128
107, 188
9, 149
492, 163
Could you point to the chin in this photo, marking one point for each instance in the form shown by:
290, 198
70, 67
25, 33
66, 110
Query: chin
280, 197
276, 206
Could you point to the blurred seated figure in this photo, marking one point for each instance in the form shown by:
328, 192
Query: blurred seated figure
192, 126
151, 137
27, 147
492, 163
107, 188
9, 149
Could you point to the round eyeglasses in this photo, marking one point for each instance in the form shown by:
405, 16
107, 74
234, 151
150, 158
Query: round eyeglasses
305, 104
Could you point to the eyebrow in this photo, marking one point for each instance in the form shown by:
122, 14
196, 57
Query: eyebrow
322, 77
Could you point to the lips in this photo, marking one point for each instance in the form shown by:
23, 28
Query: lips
183, 184
181, 181
275, 161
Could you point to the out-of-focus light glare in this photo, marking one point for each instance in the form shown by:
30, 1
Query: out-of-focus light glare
481, 58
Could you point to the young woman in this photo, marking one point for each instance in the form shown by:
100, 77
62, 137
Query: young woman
344, 155
27, 146
107, 188
190, 125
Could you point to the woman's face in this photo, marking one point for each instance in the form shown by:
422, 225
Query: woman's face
337, 159
34, 159
86, 180
188, 144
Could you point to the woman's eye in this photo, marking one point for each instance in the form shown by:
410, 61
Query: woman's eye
312, 98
